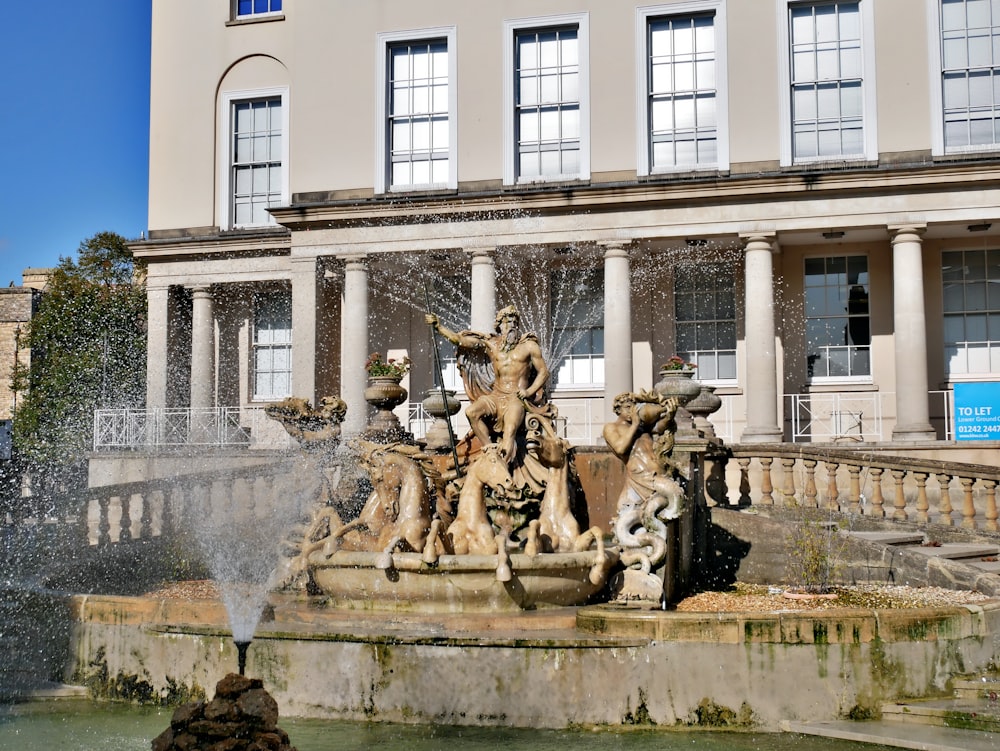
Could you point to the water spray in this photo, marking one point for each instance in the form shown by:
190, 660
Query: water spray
241, 655
439, 377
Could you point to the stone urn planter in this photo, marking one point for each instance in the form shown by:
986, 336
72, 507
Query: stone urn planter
441, 405
679, 384
703, 405
385, 393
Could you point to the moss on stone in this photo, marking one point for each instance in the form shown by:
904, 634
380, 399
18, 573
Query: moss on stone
710, 714
132, 687
641, 714
864, 712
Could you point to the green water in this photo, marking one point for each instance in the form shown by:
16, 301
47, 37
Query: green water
87, 726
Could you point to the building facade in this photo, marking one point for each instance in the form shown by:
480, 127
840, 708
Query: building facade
800, 196
17, 307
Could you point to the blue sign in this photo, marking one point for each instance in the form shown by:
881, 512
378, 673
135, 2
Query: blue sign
977, 411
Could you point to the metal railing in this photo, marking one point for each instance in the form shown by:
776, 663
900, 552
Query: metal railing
835, 416
817, 417
848, 416
175, 426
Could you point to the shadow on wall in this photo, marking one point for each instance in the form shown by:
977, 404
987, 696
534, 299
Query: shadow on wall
725, 554
34, 640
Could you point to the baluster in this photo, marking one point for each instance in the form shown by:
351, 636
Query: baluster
125, 523
968, 506
152, 512
899, 499
766, 488
744, 464
263, 493
789, 483
243, 495
104, 520
832, 493
922, 505
878, 502
990, 486
169, 514
146, 520
810, 488
854, 490
944, 502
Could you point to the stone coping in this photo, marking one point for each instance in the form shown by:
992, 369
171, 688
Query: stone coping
300, 618
827, 626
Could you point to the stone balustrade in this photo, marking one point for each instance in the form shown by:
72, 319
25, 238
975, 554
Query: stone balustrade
862, 482
157, 508
918, 491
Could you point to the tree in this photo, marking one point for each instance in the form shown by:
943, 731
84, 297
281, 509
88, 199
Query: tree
88, 350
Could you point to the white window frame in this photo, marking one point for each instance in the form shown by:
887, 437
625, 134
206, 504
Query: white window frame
510, 154
384, 40
956, 353
253, 14
643, 134
868, 78
224, 168
261, 300
847, 379
592, 362
699, 357
938, 147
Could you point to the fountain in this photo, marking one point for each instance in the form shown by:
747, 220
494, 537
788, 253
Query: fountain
431, 582
492, 525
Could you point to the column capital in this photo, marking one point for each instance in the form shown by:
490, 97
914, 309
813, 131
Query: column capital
757, 239
201, 290
480, 251
908, 232
355, 261
615, 248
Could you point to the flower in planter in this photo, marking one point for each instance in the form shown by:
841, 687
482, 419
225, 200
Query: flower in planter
376, 367
676, 362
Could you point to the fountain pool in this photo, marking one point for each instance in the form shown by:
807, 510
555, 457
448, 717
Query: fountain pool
84, 725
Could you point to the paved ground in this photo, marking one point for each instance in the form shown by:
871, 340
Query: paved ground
900, 735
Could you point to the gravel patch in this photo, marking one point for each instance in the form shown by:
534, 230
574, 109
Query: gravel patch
743, 598
758, 598
202, 589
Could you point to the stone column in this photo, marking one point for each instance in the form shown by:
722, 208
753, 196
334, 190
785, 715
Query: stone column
354, 350
202, 349
910, 334
483, 288
157, 354
305, 308
761, 354
617, 325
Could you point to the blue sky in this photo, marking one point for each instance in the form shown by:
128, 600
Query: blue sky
74, 127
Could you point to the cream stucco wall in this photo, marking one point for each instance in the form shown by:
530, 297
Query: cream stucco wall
325, 53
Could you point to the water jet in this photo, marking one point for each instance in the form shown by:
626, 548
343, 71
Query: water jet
241, 660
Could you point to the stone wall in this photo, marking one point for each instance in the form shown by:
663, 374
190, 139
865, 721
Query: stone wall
17, 305
663, 669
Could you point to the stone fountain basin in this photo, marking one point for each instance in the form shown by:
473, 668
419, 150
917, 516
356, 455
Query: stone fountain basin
458, 583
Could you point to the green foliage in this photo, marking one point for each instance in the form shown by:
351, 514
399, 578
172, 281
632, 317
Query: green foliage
88, 350
812, 555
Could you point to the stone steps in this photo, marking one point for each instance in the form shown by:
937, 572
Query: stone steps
980, 555
962, 714
985, 688
968, 721
898, 735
